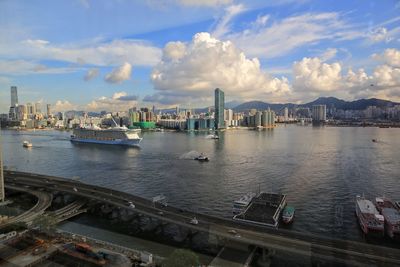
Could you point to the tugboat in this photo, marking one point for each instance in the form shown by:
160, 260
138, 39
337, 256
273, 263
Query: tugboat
288, 214
201, 158
26, 144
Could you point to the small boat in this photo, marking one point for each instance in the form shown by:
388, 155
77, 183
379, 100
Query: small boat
214, 136
374, 140
397, 203
26, 144
201, 158
288, 214
194, 221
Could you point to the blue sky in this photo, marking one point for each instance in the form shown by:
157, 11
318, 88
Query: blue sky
94, 55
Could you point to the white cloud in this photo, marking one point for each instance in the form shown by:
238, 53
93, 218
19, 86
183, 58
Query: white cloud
120, 101
390, 56
329, 54
379, 34
16, 67
97, 53
311, 74
91, 74
209, 63
267, 38
210, 3
64, 105
222, 26
119, 74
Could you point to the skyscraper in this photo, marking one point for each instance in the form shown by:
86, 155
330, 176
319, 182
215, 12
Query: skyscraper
286, 114
319, 113
48, 106
219, 108
14, 96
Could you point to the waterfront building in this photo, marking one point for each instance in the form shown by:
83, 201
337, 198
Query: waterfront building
319, 113
257, 119
219, 108
21, 113
286, 114
14, 96
268, 119
48, 109
38, 108
228, 117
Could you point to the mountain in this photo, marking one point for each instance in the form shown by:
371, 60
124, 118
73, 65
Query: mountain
360, 104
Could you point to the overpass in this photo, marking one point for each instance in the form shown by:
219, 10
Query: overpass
312, 246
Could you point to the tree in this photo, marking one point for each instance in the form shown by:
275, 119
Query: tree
182, 258
45, 223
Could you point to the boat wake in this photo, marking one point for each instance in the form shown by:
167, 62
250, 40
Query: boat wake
190, 155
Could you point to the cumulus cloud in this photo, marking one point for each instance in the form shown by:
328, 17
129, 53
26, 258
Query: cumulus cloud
120, 101
119, 74
207, 63
312, 75
91, 74
64, 105
390, 56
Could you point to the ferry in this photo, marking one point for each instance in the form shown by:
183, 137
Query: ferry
288, 214
371, 222
26, 144
391, 214
241, 204
119, 135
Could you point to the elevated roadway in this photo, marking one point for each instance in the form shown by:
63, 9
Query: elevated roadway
315, 247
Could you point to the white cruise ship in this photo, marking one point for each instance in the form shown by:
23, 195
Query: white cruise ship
110, 136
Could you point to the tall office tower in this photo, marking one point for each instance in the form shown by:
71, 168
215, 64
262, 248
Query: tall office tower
219, 108
48, 107
38, 107
257, 118
14, 96
177, 110
319, 113
286, 114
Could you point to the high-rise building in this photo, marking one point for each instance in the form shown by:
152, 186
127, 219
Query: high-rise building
219, 108
48, 107
228, 117
319, 113
14, 96
286, 114
38, 107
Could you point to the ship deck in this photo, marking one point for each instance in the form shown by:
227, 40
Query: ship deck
264, 210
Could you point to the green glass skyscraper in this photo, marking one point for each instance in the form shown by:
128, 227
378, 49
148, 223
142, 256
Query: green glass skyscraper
219, 108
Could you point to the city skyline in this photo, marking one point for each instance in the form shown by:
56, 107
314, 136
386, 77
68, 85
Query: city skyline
282, 53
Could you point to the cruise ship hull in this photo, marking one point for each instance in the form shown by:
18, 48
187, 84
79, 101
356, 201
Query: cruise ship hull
126, 142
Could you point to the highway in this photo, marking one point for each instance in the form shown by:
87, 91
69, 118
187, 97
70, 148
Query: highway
44, 200
315, 247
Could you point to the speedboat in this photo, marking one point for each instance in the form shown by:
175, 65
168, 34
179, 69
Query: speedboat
201, 158
194, 221
26, 144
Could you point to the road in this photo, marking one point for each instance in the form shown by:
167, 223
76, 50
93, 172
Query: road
44, 200
348, 252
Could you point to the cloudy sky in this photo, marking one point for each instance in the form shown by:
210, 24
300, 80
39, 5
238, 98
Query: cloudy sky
103, 54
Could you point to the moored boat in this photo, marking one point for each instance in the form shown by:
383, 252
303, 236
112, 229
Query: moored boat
391, 214
241, 204
288, 214
371, 222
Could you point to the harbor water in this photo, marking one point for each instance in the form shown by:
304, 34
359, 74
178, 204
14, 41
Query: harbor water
320, 169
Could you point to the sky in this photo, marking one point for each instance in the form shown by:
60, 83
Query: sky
116, 54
